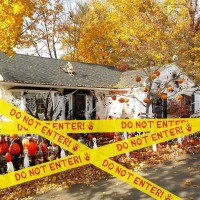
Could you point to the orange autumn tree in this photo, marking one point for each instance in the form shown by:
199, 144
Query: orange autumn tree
186, 15
12, 15
135, 32
138, 34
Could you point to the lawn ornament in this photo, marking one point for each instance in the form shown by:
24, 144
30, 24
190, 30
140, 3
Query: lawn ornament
10, 167
26, 158
94, 143
62, 153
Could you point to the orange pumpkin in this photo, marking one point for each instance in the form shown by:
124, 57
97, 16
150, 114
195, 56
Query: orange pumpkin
179, 97
146, 100
15, 148
167, 86
192, 141
114, 97
153, 76
145, 89
126, 100
4, 147
169, 89
117, 137
164, 96
157, 73
14, 136
110, 135
90, 136
137, 78
55, 145
160, 94
25, 143
32, 148
180, 80
43, 146
8, 157
184, 142
121, 100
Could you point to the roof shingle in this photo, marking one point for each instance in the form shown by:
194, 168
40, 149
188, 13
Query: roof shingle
27, 69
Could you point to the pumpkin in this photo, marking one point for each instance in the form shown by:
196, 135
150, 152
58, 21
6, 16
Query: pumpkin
15, 148
114, 97
160, 94
179, 97
90, 136
168, 147
121, 100
157, 73
25, 143
14, 136
55, 145
146, 100
180, 80
167, 86
153, 76
126, 100
184, 142
192, 141
8, 157
32, 148
4, 147
117, 137
110, 134
164, 96
137, 78
145, 89
169, 89
43, 146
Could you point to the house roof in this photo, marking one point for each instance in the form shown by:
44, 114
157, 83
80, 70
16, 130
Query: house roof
40, 71
34, 70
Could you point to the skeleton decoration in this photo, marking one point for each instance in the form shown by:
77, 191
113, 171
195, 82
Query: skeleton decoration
26, 158
95, 143
62, 153
70, 69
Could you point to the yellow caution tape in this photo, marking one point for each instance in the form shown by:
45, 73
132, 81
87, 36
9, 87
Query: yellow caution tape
42, 170
102, 162
95, 126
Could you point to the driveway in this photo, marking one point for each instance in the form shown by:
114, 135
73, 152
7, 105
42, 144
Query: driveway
180, 176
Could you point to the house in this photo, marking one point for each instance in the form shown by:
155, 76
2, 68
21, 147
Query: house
82, 90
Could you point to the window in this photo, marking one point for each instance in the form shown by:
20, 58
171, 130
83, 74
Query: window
33, 99
40, 105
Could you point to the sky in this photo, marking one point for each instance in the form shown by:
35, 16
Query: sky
30, 51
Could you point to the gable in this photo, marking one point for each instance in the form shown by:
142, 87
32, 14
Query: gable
127, 79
